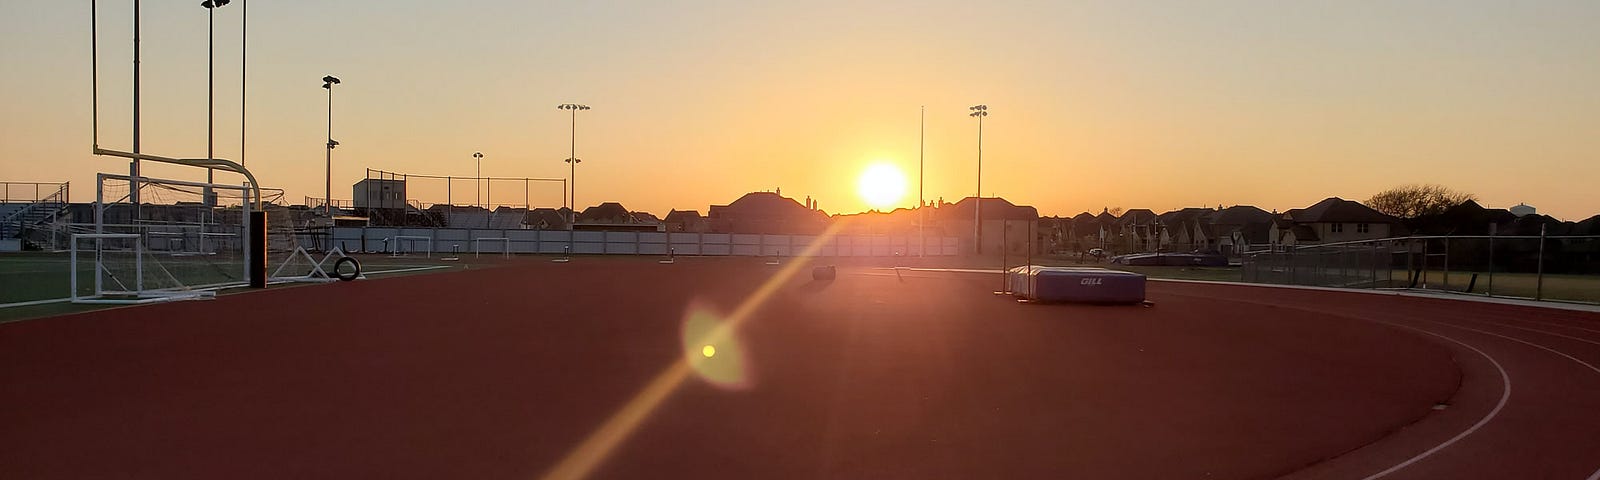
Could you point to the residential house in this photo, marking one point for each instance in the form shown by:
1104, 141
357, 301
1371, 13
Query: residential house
1004, 225
1181, 230
1231, 230
766, 212
613, 216
1334, 220
1136, 230
1468, 218
608, 212
547, 218
685, 221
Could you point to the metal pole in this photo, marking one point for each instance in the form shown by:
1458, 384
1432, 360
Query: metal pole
1373, 267
572, 166
244, 38
1538, 291
1425, 243
922, 217
94, 74
1492, 230
1447, 263
134, 168
977, 209
211, 103
327, 192
1005, 229
1410, 268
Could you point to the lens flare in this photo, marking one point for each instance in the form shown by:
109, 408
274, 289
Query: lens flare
711, 348
593, 450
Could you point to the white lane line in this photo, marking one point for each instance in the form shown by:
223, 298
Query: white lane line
416, 269
1555, 324
1505, 378
1518, 340
955, 270
1546, 332
1505, 382
34, 302
1596, 474
1505, 394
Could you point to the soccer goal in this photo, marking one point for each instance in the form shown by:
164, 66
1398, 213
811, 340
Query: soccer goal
193, 235
404, 245
497, 245
117, 268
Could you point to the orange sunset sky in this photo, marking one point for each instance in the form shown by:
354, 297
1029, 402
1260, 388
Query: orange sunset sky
1152, 104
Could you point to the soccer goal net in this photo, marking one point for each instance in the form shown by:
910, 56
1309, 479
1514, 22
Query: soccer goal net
122, 268
179, 236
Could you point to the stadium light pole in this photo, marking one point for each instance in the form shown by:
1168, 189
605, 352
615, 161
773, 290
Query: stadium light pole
572, 162
211, 7
244, 69
978, 111
327, 200
477, 178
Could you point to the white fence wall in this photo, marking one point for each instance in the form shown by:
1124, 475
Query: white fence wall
380, 239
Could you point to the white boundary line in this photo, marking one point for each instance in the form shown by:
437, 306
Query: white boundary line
221, 287
1505, 394
1596, 474
34, 302
1576, 307
1504, 377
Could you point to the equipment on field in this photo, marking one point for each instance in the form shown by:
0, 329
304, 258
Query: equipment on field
1076, 284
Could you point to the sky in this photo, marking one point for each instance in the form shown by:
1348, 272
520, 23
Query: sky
1134, 104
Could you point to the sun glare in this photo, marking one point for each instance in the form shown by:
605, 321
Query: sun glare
881, 185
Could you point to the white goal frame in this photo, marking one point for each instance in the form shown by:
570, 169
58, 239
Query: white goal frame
246, 208
505, 250
123, 297
395, 250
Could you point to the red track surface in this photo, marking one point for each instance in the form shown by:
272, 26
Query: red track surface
498, 373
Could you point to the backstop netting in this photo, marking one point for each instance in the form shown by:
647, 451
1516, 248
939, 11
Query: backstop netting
443, 201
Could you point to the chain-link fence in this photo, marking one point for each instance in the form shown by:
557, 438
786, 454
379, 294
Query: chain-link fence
1564, 268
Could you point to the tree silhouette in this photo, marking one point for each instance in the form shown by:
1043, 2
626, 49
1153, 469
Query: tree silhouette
1415, 200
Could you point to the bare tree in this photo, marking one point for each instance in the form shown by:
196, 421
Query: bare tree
1116, 211
1412, 201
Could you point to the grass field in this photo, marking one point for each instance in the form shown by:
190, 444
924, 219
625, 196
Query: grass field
1573, 288
46, 277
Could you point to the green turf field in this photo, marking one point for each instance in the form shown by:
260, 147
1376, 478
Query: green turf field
45, 278
1572, 288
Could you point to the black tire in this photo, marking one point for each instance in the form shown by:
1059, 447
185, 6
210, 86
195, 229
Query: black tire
824, 273
353, 274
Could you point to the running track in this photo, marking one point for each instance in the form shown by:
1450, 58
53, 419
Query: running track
497, 373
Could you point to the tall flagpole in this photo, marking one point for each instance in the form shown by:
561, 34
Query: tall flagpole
922, 217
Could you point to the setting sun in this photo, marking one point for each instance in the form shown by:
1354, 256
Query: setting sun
881, 185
